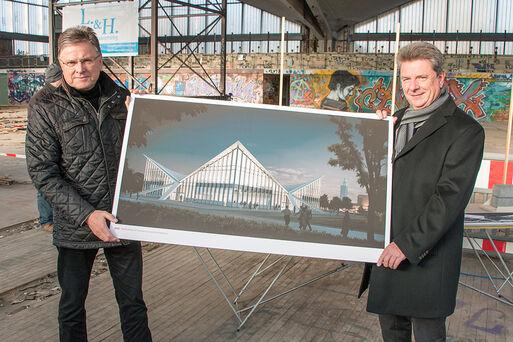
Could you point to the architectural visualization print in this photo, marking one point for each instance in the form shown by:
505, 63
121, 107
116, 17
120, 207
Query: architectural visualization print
256, 178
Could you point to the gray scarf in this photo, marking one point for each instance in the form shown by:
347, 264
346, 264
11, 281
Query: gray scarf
413, 119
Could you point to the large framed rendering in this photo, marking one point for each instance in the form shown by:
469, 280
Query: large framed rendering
256, 178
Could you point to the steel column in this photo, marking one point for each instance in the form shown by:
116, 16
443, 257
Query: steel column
222, 85
154, 46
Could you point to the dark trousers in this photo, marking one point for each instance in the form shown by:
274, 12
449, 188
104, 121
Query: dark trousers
398, 329
74, 270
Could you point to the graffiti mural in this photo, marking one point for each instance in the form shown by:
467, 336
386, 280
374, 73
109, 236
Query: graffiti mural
483, 96
23, 85
246, 87
375, 93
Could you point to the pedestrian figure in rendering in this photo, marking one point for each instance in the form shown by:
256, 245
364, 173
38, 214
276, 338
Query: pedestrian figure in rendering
302, 217
53, 76
73, 146
341, 86
308, 217
438, 150
286, 215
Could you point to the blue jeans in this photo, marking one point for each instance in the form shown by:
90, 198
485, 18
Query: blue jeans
74, 271
45, 210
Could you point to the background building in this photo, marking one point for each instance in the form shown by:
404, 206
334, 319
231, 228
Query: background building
233, 178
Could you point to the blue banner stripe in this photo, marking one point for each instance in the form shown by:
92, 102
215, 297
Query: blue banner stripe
119, 47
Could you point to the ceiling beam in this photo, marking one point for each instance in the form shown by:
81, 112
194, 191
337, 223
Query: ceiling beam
317, 11
301, 9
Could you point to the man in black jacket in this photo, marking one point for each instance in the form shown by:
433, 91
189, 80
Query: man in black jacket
73, 146
438, 150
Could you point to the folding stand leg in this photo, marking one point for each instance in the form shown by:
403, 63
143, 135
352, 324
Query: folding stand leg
259, 270
497, 290
217, 284
343, 267
265, 293
508, 272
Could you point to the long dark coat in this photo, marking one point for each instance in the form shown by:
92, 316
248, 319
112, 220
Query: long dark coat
433, 178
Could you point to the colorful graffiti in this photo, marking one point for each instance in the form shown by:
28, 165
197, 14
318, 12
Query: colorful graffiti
246, 87
484, 96
22, 86
375, 93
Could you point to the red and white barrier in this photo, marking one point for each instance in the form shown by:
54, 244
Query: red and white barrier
486, 245
491, 172
13, 126
22, 156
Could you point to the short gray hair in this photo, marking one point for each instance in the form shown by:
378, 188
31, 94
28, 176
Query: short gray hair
78, 34
421, 50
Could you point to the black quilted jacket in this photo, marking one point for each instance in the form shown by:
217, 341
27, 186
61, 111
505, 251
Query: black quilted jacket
73, 155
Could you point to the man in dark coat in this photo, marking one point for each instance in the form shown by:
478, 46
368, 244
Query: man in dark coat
73, 146
438, 150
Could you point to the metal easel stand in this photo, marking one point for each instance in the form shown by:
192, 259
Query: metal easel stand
505, 273
259, 270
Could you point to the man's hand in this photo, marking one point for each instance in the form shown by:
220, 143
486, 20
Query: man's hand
391, 257
98, 225
382, 114
136, 92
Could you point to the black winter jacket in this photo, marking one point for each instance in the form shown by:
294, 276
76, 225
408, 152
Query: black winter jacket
73, 155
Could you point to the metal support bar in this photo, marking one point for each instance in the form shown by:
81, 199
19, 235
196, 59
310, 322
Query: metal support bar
338, 269
126, 71
508, 272
154, 46
265, 293
507, 275
442, 36
217, 284
507, 302
221, 270
51, 31
115, 76
222, 81
260, 269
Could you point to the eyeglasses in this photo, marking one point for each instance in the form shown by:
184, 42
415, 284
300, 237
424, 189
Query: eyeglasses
85, 61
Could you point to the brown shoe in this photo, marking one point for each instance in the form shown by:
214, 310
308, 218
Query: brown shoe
48, 227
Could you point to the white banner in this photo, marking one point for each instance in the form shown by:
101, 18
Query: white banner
115, 24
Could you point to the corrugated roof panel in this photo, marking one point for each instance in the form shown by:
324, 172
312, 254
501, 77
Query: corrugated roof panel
234, 18
252, 20
504, 23
411, 17
435, 16
460, 14
366, 26
180, 23
483, 20
386, 22
270, 23
6, 16
146, 23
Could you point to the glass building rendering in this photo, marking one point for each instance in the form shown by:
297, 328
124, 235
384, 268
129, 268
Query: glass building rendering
233, 178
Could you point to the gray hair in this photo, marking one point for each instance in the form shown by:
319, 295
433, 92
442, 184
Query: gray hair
78, 34
421, 50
